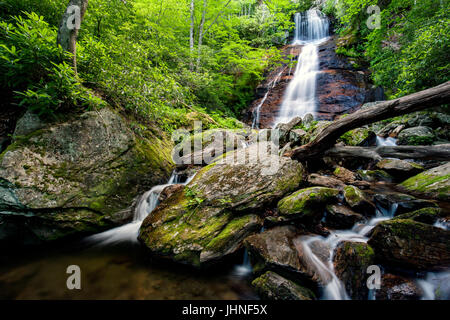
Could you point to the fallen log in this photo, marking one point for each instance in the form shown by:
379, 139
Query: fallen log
415, 102
439, 152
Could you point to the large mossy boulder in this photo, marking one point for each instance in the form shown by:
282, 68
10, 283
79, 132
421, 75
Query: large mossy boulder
425, 215
307, 204
208, 219
434, 183
77, 177
416, 136
410, 244
359, 137
272, 286
351, 260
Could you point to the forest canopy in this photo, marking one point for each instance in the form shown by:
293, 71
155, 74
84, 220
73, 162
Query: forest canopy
164, 59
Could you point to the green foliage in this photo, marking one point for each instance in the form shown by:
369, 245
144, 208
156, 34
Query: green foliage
410, 50
31, 67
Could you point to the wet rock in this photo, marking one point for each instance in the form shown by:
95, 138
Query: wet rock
272, 286
416, 136
325, 181
345, 175
351, 260
425, 215
202, 148
357, 200
29, 123
433, 183
209, 219
273, 249
375, 175
308, 119
399, 168
401, 203
296, 136
78, 177
394, 287
314, 129
169, 190
359, 137
341, 217
411, 244
283, 130
307, 204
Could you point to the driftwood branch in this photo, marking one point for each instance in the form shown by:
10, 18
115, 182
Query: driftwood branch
439, 152
388, 109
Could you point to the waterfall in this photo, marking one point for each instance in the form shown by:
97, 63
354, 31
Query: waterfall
311, 28
129, 232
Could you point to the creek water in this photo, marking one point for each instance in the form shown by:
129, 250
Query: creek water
115, 266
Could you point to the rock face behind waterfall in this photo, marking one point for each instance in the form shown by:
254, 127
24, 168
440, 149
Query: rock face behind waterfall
76, 178
209, 219
341, 88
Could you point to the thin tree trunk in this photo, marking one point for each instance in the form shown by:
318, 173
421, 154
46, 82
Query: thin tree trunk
68, 30
200, 33
388, 109
438, 152
191, 34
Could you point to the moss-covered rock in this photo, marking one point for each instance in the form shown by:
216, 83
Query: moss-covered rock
272, 286
410, 244
208, 219
358, 201
399, 168
401, 203
434, 183
359, 137
344, 174
351, 260
375, 175
416, 136
307, 203
80, 176
425, 215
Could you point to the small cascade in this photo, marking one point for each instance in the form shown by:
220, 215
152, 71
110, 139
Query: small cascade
435, 286
389, 142
245, 269
333, 288
257, 116
311, 25
129, 232
300, 98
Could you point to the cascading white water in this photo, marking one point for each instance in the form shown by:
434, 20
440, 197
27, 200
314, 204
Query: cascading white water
129, 232
333, 288
390, 142
300, 98
256, 118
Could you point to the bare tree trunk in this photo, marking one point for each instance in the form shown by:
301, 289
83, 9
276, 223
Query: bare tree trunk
388, 109
191, 34
439, 152
69, 27
200, 33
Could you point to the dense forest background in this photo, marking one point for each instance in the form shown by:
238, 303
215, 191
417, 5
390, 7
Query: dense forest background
166, 61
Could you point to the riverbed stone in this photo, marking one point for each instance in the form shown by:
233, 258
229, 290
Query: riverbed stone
375, 175
403, 202
315, 179
425, 215
394, 287
433, 183
416, 136
410, 244
307, 204
210, 217
399, 168
358, 201
78, 177
272, 286
341, 217
351, 260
